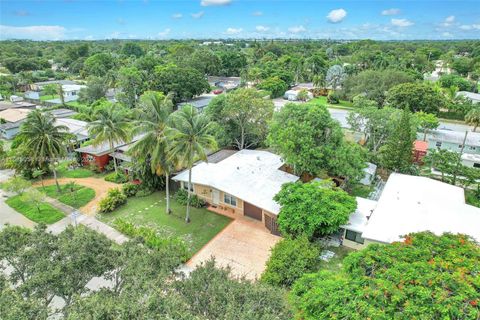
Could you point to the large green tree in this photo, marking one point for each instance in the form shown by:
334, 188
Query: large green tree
183, 82
130, 80
416, 97
153, 147
192, 139
95, 90
243, 116
44, 141
424, 277
313, 209
310, 141
110, 127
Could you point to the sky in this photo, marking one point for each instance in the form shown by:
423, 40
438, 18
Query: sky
214, 19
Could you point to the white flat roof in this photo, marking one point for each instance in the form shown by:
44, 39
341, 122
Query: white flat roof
359, 219
250, 175
414, 204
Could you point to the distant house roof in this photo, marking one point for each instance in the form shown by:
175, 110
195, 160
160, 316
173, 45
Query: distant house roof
72, 87
414, 204
199, 102
420, 145
473, 138
76, 127
63, 113
104, 148
251, 175
4, 105
14, 115
306, 85
474, 97
224, 82
62, 82
359, 219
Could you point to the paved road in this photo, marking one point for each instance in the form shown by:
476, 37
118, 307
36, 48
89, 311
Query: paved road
7, 214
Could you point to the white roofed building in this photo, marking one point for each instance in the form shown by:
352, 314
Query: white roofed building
243, 183
411, 204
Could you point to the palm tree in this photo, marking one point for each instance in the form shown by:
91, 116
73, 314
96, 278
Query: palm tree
191, 138
473, 118
153, 118
111, 127
45, 141
61, 94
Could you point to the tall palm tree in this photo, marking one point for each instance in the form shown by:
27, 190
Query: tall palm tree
191, 138
110, 127
45, 141
473, 118
152, 121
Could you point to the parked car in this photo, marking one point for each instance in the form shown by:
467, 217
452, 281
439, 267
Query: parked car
217, 91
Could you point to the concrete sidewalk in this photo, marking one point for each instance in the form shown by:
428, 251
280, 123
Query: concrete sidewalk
88, 221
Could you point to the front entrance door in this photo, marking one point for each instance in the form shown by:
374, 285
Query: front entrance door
215, 197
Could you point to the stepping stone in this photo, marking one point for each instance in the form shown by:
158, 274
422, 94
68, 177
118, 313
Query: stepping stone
146, 208
139, 211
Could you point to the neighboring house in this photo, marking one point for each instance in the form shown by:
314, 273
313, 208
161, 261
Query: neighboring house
471, 160
473, 97
70, 93
420, 149
306, 86
243, 183
75, 127
225, 83
440, 69
63, 113
453, 140
38, 86
292, 95
32, 95
411, 204
101, 155
12, 118
5, 105
200, 103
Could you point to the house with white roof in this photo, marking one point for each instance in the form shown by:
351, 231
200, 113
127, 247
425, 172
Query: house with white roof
411, 204
453, 140
473, 97
244, 183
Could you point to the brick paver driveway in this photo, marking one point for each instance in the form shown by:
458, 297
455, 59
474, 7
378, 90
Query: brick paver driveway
244, 245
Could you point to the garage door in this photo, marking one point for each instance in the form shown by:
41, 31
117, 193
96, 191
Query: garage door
251, 211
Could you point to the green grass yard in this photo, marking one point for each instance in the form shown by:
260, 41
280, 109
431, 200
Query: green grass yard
45, 213
64, 172
77, 199
49, 97
150, 211
342, 105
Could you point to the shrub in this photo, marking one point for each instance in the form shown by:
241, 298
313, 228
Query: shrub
182, 197
116, 177
130, 189
113, 200
290, 259
333, 97
143, 192
152, 239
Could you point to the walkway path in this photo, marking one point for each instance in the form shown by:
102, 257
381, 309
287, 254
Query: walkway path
100, 186
88, 221
7, 214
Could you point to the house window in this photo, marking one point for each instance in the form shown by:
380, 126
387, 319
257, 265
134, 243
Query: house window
229, 199
476, 165
438, 144
354, 236
471, 148
460, 146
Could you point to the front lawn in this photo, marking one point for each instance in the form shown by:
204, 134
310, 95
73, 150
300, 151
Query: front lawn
150, 211
472, 198
64, 172
360, 190
49, 97
343, 104
45, 213
77, 199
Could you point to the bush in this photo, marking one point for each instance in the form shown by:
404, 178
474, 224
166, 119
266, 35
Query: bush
290, 259
130, 189
114, 199
333, 97
143, 192
182, 197
116, 177
152, 239
275, 85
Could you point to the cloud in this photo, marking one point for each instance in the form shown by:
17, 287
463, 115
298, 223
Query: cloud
207, 3
450, 20
262, 28
177, 16
33, 32
390, 12
21, 13
197, 15
121, 21
336, 16
402, 22
297, 29
470, 27
257, 13
164, 33
90, 37
232, 31
447, 34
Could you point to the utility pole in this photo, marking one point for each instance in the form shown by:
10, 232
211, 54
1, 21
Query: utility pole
459, 158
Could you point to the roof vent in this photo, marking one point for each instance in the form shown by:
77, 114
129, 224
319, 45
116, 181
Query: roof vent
238, 168
258, 158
